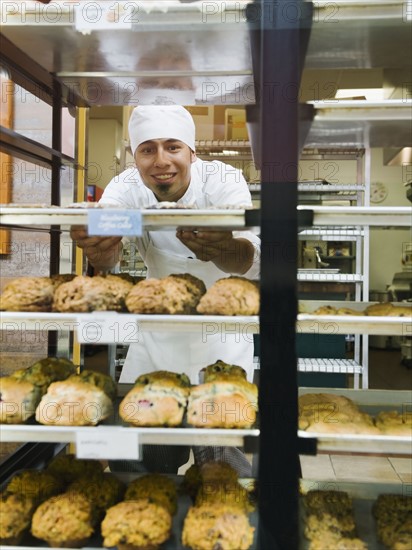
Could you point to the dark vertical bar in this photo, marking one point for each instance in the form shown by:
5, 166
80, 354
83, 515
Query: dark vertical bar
278, 456
55, 195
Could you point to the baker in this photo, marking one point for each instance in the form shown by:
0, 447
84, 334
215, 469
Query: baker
162, 140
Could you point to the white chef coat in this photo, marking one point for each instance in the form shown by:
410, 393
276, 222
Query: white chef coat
212, 184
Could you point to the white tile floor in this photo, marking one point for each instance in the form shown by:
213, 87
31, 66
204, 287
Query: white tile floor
380, 469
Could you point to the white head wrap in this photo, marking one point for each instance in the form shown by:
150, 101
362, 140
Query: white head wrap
161, 122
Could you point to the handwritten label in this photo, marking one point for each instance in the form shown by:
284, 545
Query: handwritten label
114, 222
107, 444
107, 328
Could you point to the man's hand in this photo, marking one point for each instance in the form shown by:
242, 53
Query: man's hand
220, 247
102, 252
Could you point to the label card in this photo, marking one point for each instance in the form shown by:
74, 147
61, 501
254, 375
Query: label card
107, 444
105, 222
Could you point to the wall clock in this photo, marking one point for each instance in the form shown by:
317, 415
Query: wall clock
379, 192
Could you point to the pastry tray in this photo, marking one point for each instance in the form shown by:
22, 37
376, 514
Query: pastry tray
174, 543
371, 402
364, 495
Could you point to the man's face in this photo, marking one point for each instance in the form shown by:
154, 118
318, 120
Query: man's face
164, 165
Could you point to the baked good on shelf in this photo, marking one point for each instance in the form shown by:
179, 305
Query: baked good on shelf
174, 295
227, 401
68, 468
19, 400
394, 423
393, 514
102, 489
158, 488
325, 310
45, 371
212, 526
329, 521
330, 413
136, 524
102, 381
64, 521
209, 472
231, 296
378, 310
84, 294
28, 294
157, 399
231, 493
348, 311
38, 485
220, 368
119, 288
73, 402
400, 311
16, 510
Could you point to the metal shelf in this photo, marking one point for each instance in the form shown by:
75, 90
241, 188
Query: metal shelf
322, 275
152, 436
377, 216
371, 402
151, 219
330, 366
360, 123
123, 327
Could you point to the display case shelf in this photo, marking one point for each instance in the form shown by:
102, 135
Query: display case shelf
330, 366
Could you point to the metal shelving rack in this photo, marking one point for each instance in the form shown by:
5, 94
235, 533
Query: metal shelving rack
86, 59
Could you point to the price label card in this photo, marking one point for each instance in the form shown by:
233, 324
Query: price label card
111, 223
107, 328
107, 444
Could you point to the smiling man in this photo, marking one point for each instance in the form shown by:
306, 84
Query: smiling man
162, 140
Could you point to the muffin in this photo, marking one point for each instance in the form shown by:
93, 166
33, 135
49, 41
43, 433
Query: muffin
37, 485
212, 526
102, 489
156, 487
68, 468
157, 399
64, 521
28, 294
231, 296
136, 524
15, 512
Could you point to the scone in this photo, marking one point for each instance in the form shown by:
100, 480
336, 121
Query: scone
136, 524
228, 401
38, 485
68, 468
84, 294
348, 311
158, 488
212, 526
394, 423
231, 296
325, 310
381, 309
45, 371
330, 413
220, 367
28, 294
102, 381
209, 472
119, 288
228, 493
157, 399
401, 311
16, 511
175, 294
64, 521
19, 400
73, 402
